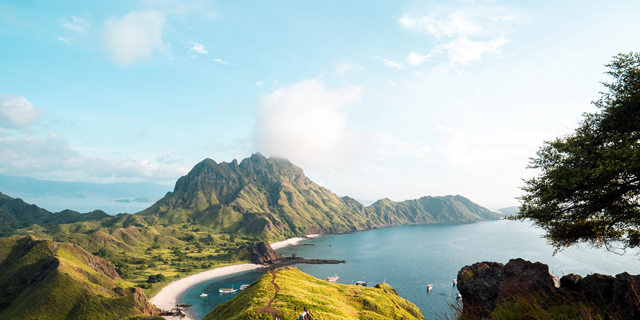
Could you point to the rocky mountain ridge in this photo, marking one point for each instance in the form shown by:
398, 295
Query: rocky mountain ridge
271, 198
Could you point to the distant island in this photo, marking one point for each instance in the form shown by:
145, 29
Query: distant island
140, 200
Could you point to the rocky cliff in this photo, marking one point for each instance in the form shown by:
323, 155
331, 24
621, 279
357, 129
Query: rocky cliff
271, 198
490, 290
261, 252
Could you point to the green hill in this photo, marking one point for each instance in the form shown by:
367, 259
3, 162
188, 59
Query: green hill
216, 211
324, 300
271, 198
15, 214
44, 279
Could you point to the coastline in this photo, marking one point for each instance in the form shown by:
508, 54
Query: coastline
167, 298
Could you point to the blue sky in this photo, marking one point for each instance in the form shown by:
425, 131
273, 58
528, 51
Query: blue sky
372, 99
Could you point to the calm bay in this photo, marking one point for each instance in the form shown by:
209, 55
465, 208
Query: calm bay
413, 256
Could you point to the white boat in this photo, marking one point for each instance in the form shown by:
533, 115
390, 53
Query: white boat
455, 282
333, 279
203, 295
459, 296
362, 282
244, 286
429, 287
227, 290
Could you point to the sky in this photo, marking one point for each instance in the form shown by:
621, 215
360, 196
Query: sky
373, 99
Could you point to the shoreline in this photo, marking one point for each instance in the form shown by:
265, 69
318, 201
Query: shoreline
167, 297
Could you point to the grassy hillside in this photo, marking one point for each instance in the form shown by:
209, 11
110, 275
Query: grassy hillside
271, 198
324, 300
217, 210
44, 279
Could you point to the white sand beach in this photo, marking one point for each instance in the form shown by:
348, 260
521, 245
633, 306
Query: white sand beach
292, 241
167, 298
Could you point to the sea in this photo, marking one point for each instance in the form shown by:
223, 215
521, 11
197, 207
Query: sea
413, 256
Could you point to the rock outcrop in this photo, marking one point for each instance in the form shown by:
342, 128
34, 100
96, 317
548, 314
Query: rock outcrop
486, 285
261, 253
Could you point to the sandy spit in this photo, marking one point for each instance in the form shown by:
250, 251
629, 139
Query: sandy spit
167, 298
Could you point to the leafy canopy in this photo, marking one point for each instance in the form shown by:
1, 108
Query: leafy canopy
589, 183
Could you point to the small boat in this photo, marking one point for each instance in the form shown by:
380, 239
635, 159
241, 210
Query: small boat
459, 296
227, 290
362, 282
455, 282
333, 279
244, 286
203, 295
429, 287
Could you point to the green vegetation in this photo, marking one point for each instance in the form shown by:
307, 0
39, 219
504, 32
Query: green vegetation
215, 212
588, 188
44, 279
324, 300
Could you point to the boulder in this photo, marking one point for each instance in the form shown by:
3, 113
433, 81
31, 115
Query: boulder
261, 252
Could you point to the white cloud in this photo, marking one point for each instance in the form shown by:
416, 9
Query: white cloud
462, 50
17, 112
415, 59
220, 61
52, 157
458, 25
77, 25
135, 37
197, 48
392, 64
307, 123
259, 83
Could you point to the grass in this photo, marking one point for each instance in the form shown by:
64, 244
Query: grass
324, 300
51, 281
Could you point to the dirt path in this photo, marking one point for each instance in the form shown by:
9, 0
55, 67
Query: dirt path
274, 312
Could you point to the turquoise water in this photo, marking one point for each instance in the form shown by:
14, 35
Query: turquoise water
411, 257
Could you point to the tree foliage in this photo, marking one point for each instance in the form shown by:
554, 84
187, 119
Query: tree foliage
588, 189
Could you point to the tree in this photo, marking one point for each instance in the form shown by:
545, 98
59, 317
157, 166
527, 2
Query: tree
588, 189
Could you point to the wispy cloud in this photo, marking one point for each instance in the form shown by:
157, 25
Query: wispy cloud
197, 48
17, 112
392, 64
348, 67
135, 37
63, 40
78, 25
458, 25
415, 59
462, 50
220, 61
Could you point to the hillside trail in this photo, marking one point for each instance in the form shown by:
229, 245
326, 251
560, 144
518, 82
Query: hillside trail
267, 309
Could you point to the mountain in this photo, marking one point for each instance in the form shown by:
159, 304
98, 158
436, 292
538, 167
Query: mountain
509, 211
34, 188
271, 198
44, 279
278, 292
15, 213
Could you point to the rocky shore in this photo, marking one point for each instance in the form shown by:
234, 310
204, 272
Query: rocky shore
262, 253
489, 286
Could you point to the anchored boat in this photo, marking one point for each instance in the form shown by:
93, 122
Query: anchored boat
429, 287
333, 279
244, 286
203, 295
362, 282
227, 290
